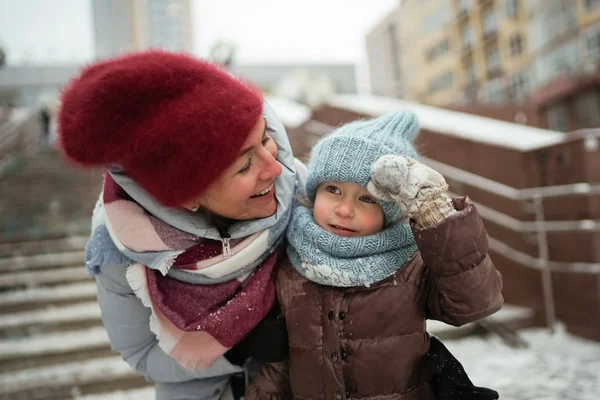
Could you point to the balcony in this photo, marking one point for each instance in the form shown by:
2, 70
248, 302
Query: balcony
494, 72
490, 34
467, 49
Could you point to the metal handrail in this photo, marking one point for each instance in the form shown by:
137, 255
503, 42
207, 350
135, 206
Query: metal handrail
508, 191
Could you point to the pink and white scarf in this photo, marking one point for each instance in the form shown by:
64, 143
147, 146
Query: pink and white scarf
194, 323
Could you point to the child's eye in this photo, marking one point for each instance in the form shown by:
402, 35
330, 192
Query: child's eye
266, 140
333, 189
368, 199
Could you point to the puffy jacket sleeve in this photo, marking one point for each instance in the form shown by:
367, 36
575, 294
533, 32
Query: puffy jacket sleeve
127, 322
462, 284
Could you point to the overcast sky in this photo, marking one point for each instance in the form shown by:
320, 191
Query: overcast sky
60, 31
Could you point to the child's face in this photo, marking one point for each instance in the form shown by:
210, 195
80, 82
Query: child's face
347, 209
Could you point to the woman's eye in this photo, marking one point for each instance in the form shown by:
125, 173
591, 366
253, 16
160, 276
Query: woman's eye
246, 168
332, 189
266, 140
367, 199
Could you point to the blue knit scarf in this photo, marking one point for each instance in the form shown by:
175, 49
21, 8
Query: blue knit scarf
333, 260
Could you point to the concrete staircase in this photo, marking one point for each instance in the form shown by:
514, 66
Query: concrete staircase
52, 342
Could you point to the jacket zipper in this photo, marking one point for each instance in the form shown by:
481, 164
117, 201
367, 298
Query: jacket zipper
225, 238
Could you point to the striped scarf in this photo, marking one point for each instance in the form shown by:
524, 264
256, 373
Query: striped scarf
194, 323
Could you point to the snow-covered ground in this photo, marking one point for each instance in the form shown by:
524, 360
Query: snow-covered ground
553, 367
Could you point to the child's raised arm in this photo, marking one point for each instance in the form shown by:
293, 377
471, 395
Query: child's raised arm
462, 284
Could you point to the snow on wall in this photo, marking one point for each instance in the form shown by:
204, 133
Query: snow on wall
463, 125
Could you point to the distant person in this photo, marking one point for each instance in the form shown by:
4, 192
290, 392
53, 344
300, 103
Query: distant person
45, 118
362, 281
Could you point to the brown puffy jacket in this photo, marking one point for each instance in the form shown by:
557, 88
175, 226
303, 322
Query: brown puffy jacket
370, 342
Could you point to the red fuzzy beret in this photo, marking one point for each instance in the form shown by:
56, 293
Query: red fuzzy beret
172, 122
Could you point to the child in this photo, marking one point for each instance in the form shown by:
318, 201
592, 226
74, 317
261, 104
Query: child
363, 281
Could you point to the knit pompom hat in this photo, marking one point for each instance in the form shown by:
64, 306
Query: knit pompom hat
347, 154
171, 122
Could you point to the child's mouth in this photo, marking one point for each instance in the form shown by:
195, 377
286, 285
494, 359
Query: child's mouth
342, 228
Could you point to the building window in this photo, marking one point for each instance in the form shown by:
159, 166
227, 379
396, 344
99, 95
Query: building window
395, 52
519, 86
437, 19
557, 118
468, 37
587, 110
591, 4
495, 91
471, 72
464, 5
516, 44
442, 82
494, 62
591, 43
511, 9
490, 23
438, 50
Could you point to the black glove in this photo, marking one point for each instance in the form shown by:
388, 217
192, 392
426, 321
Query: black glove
450, 381
267, 342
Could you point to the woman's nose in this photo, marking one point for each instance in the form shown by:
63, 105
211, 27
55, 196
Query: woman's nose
270, 168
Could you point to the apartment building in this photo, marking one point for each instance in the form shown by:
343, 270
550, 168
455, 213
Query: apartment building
564, 73
462, 51
384, 57
540, 52
131, 25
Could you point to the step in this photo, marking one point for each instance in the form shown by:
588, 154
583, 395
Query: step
515, 317
135, 394
36, 278
54, 343
41, 261
45, 295
106, 369
53, 315
72, 243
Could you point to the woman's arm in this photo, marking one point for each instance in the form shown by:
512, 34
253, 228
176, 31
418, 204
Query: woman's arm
127, 322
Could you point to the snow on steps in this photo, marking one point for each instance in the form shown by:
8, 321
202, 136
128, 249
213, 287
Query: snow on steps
46, 295
106, 369
514, 317
39, 261
136, 394
32, 247
53, 315
54, 343
55, 275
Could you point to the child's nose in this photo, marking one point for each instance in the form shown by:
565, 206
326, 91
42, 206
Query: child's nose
345, 209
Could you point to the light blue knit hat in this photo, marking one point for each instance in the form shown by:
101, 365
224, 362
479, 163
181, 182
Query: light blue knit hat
347, 154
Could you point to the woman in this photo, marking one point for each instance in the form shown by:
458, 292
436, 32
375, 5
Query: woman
187, 234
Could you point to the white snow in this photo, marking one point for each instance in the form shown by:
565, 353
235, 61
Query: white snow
54, 343
136, 394
291, 113
74, 373
34, 246
42, 277
52, 315
554, 367
509, 314
48, 294
42, 261
466, 126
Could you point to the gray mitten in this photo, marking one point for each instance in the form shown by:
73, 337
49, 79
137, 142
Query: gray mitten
419, 190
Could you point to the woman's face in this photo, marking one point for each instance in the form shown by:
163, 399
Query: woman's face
246, 189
